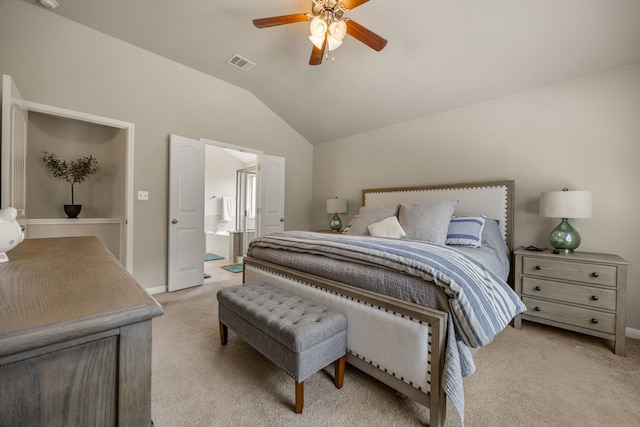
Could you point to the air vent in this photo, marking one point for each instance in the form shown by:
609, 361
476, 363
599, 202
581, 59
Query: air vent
239, 62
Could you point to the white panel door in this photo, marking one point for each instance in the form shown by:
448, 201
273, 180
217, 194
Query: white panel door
14, 148
271, 183
186, 247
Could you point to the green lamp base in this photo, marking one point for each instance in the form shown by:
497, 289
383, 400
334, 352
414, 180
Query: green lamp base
564, 237
336, 223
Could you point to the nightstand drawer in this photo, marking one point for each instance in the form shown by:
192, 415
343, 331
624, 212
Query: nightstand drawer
596, 274
582, 317
566, 292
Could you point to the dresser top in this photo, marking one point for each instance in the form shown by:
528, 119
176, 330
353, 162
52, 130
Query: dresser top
574, 256
66, 286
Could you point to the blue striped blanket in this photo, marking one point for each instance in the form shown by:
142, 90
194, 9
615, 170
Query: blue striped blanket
481, 304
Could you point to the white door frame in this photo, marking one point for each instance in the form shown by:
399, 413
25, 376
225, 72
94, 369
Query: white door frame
126, 227
219, 144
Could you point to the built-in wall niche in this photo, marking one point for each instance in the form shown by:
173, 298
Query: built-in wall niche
102, 195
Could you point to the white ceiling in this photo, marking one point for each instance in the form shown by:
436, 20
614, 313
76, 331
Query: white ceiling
441, 54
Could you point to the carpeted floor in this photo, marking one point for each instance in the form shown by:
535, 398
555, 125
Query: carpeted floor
537, 376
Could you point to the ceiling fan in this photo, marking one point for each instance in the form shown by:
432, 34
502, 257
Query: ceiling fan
328, 26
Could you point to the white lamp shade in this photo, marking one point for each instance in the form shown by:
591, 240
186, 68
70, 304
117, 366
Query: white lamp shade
317, 41
338, 29
336, 205
333, 43
318, 27
566, 204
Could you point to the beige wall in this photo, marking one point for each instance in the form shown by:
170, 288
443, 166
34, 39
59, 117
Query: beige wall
583, 134
57, 62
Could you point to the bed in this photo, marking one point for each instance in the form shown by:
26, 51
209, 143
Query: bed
410, 295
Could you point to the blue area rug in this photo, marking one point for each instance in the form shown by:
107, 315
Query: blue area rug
234, 268
212, 257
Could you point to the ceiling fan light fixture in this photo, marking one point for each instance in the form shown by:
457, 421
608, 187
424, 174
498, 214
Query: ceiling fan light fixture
333, 43
317, 41
318, 27
338, 30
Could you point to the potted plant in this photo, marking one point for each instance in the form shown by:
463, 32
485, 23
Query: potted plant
74, 172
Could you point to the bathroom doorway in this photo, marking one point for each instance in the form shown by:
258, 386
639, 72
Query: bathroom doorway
230, 209
188, 173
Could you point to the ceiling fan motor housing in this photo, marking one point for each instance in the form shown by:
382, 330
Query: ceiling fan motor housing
333, 9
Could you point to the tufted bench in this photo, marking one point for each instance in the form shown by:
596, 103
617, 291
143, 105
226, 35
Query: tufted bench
298, 335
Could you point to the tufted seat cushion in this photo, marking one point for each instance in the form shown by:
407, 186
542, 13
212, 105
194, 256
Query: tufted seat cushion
296, 334
295, 322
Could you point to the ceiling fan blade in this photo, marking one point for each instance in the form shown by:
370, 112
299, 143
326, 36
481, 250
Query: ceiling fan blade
279, 20
317, 54
352, 4
366, 36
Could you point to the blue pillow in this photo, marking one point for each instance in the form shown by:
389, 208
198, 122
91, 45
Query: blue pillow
465, 231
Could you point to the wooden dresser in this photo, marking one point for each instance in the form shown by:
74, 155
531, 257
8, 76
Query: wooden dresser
75, 337
581, 291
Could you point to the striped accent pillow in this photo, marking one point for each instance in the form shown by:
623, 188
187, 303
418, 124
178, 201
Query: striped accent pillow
466, 231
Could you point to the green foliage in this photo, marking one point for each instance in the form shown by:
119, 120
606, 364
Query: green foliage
73, 171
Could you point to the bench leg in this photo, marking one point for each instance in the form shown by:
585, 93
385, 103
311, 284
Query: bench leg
223, 333
339, 371
299, 396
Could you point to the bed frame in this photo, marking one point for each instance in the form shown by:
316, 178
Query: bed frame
379, 325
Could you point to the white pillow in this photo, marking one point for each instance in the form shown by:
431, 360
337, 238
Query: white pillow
388, 227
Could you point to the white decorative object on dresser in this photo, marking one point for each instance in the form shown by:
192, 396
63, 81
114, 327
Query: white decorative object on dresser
581, 291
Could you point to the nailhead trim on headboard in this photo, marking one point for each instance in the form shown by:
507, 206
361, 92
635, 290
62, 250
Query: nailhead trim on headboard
493, 199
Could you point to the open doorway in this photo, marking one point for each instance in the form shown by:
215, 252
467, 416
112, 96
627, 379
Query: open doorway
187, 200
230, 210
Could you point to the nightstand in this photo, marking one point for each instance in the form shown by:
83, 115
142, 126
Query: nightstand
581, 291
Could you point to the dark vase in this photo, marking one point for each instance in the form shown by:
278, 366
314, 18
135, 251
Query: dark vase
72, 211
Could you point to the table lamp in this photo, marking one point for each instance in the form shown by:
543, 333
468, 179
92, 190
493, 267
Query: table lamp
565, 204
336, 206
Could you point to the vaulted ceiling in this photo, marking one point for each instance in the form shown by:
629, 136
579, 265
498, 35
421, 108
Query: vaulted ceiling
441, 54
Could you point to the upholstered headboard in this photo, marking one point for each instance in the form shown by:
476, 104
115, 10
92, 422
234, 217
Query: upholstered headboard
493, 199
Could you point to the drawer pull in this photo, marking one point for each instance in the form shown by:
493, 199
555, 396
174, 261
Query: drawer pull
594, 321
538, 267
595, 274
595, 298
538, 288
537, 309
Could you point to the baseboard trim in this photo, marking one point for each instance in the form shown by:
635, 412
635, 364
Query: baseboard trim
159, 290
633, 333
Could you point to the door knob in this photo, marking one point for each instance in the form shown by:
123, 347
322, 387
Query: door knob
281, 219
174, 221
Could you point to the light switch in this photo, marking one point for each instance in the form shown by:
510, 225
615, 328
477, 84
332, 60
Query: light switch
143, 195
